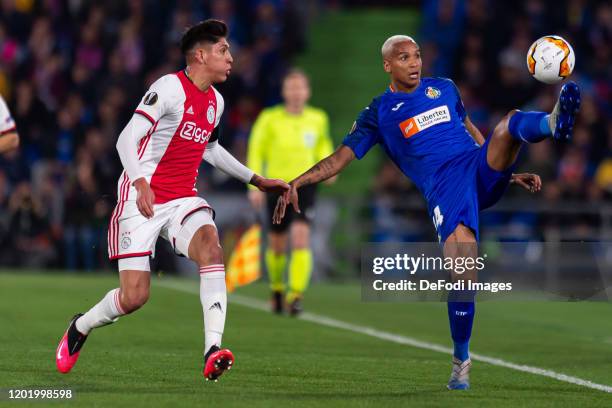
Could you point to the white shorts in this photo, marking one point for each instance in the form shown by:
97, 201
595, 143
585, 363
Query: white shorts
132, 237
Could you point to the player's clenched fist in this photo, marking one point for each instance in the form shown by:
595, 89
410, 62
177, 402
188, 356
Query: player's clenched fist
145, 197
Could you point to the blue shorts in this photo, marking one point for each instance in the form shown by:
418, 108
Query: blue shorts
465, 186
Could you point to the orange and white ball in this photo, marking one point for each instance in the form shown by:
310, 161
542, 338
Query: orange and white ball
551, 59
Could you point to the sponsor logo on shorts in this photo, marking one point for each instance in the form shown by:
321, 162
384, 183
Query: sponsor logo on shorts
191, 131
415, 124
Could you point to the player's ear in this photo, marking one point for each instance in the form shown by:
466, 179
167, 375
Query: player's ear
200, 54
203, 56
386, 66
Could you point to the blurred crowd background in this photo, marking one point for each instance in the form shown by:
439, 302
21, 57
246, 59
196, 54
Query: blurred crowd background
73, 71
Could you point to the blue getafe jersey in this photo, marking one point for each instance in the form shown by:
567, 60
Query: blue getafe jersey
422, 131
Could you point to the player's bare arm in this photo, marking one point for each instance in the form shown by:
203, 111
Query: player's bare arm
326, 168
9, 141
323, 170
473, 130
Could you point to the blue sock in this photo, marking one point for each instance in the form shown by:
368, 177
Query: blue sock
530, 127
461, 318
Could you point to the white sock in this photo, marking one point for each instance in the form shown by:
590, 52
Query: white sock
213, 296
107, 311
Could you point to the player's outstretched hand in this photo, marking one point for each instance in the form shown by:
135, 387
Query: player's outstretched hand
290, 196
530, 182
269, 185
145, 198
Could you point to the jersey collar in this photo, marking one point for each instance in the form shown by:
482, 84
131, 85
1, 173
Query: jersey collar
391, 89
183, 72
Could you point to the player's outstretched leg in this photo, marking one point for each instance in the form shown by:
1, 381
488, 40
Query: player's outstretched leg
461, 307
133, 293
519, 127
205, 249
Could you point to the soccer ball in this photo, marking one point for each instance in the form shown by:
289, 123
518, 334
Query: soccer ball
550, 59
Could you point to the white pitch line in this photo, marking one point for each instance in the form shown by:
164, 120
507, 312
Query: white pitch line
396, 338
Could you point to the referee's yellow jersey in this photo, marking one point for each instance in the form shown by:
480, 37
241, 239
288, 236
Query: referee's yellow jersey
283, 145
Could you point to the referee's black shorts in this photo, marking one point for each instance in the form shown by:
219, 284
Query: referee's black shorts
306, 198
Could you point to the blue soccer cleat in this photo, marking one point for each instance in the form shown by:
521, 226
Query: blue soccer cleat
460, 376
563, 116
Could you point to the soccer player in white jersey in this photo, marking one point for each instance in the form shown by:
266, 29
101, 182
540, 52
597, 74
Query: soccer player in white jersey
9, 139
161, 148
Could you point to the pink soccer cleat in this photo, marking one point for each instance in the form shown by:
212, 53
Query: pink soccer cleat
217, 361
67, 352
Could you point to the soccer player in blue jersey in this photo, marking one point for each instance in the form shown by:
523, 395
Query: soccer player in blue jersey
423, 127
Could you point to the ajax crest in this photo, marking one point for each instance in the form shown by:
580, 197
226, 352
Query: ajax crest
210, 114
126, 242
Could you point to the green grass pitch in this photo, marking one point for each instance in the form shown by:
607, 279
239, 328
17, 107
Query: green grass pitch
153, 358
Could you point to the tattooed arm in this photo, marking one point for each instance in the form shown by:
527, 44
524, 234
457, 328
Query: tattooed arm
326, 168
